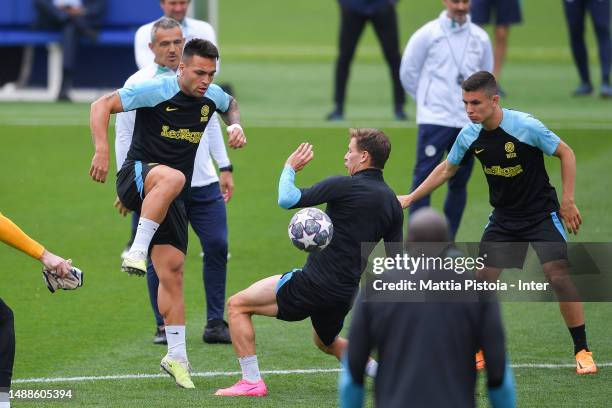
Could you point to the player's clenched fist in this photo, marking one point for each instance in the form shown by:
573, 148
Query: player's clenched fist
235, 136
300, 158
99, 167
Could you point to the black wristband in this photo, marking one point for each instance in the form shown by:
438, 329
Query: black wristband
229, 168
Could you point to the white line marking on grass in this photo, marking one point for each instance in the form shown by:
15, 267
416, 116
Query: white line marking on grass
145, 376
552, 366
232, 373
302, 124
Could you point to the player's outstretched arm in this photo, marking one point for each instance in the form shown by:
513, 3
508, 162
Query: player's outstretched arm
440, 175
235, 134
99, 117
568, 211
12, 235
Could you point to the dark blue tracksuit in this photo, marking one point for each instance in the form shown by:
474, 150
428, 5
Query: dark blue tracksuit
433, 142
575, 12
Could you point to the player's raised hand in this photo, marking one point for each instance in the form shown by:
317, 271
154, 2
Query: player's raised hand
301, 157
123, 210
99, 167
571, 216
235, 136
59, 265
405, 200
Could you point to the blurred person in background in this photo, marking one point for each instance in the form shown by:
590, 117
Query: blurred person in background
75, 19
507, 13
575, 13
354, 15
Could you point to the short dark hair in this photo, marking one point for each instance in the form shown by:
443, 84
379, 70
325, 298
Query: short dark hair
201, 48
164, 23
375, 142
481, 81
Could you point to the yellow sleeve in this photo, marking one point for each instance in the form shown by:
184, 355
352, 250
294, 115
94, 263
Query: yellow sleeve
12, 235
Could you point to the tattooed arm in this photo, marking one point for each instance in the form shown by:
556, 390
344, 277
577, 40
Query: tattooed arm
232, 115
235, 135
98, 122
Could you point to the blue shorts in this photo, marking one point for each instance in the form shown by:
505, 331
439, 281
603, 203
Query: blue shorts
507, 12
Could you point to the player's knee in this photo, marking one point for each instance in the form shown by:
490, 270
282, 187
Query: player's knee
171, 178
171, 275
174, 264
235, 304
560, 283
176, 179
319, 343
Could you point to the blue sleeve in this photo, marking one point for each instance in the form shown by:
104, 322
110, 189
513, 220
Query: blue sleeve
288, 193
462, 144
350, 394
504, 396
219, 97
148, 93
542, 137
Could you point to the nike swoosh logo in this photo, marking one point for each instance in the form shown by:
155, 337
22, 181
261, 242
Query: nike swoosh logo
478, 151
169, 109
172, 333
580, 365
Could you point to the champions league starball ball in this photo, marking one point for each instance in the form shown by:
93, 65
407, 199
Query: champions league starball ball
311, 230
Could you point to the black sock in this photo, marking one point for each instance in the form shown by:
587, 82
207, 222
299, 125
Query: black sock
579, 336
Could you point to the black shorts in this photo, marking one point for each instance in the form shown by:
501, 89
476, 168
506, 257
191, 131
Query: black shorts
507, 12
505, 241
130, 190
295, 300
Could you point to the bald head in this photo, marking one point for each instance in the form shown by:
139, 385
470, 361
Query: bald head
427, 225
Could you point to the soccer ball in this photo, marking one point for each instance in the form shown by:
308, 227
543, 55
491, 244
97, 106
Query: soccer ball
311, 230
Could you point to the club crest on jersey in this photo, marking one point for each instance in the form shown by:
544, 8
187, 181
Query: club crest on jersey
509, 147
204, 111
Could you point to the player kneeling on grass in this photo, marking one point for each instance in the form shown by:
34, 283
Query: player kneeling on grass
363, 209
509, 144
58, 274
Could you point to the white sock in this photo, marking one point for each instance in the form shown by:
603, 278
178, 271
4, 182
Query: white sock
250, 368
371, 368
144, 235
176, 342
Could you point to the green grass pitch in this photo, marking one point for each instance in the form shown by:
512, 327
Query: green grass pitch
279, 58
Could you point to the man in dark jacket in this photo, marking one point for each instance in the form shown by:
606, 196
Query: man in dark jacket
354, 14
74, 18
